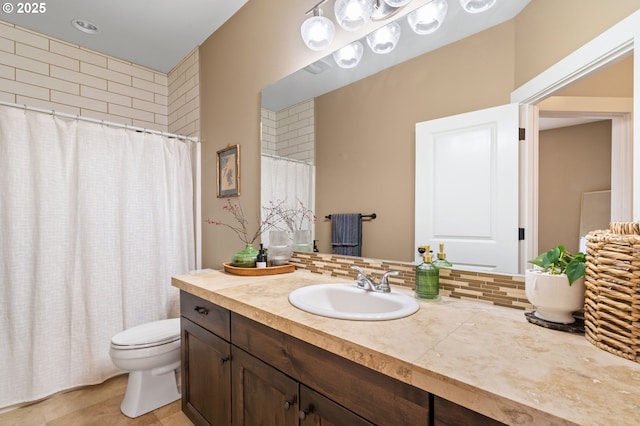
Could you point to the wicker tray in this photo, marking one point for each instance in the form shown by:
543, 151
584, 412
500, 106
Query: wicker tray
256, 272
612, 298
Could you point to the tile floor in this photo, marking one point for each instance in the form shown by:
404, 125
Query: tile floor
92, 405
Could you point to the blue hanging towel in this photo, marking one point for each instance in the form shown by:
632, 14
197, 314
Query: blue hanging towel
346, 234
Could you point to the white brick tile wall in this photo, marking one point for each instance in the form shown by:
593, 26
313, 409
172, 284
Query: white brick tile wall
20, 62
7, 45
23, 35
47, 104
46, 73
290, 132
183, 96
47, 57
72, 51
78, 101
7, 72
114, 98
77, 77
45, 81
126, 90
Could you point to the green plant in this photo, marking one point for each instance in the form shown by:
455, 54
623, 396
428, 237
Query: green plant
559, 261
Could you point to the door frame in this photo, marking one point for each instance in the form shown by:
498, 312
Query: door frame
612, 45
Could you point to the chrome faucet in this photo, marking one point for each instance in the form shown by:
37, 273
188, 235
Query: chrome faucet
366, 283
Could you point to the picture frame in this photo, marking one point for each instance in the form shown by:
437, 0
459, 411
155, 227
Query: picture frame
228, 171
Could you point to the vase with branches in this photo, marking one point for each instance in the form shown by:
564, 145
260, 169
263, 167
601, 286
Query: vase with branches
242, 228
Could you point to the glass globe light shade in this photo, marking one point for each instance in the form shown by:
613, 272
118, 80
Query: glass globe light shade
349, 56
397, 3
353, 14
317, 32
384, 39
428, 18
476, 6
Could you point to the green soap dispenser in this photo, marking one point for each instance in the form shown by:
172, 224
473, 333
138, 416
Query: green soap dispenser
441, 261
427, 277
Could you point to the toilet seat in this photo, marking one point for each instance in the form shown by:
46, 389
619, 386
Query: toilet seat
148, 335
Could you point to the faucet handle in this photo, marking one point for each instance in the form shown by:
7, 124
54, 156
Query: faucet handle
385, 276
361, 272
362, 280
384, 281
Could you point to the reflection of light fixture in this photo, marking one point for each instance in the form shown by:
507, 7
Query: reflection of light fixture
381, 10
384, 39
428, 18
317, 31
85, 26
397, 3
349, 56
353, 14
476, 6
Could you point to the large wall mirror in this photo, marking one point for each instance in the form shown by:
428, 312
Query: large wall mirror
367, 165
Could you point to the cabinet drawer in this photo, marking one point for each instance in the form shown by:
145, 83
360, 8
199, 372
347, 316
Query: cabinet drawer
206, 314
374, 396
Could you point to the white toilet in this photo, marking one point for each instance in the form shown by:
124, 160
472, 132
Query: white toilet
151, 354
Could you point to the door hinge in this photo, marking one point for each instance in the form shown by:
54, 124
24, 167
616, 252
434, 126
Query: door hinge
522, 134
521, 234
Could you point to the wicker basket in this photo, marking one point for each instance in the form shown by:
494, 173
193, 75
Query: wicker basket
612, 298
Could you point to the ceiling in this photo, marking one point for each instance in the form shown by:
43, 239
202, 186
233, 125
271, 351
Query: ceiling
156, 34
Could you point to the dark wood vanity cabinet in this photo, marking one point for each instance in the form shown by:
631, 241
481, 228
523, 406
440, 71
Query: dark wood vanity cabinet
206, 366
258, 385
239, 372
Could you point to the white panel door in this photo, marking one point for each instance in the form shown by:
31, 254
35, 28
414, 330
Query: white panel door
467, 188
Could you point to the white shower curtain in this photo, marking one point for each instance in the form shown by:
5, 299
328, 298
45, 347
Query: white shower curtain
94, 221
283, 179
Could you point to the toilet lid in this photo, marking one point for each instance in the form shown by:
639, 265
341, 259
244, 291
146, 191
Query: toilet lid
150, 334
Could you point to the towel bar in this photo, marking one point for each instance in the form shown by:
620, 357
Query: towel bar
363, 216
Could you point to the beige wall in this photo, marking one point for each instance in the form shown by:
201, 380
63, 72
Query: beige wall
573, 160
236, 63
365, 149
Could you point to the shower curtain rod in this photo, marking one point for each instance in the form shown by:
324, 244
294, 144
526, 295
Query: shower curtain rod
97, 121
293, 160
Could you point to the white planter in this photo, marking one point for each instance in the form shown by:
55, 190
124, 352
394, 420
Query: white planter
555, 300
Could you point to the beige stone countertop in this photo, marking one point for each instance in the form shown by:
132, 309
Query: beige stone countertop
486, 358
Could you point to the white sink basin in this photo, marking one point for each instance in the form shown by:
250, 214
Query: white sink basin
346, 301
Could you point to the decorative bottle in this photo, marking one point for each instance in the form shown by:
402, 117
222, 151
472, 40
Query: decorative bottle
427, 277
261, 259
441, 261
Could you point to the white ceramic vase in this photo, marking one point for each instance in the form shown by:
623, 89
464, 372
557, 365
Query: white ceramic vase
555, 300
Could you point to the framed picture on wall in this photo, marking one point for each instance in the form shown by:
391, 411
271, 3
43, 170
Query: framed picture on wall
228, 171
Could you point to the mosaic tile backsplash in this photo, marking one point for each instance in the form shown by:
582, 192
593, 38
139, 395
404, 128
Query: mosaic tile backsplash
497, 289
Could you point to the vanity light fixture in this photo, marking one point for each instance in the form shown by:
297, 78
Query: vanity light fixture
428, 18
476, 6
317, 31
349, 56
352, 15
85, 26
384, 39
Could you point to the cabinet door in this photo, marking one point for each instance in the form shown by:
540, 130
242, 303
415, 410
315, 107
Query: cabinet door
317, 410
206, 376
262, 395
